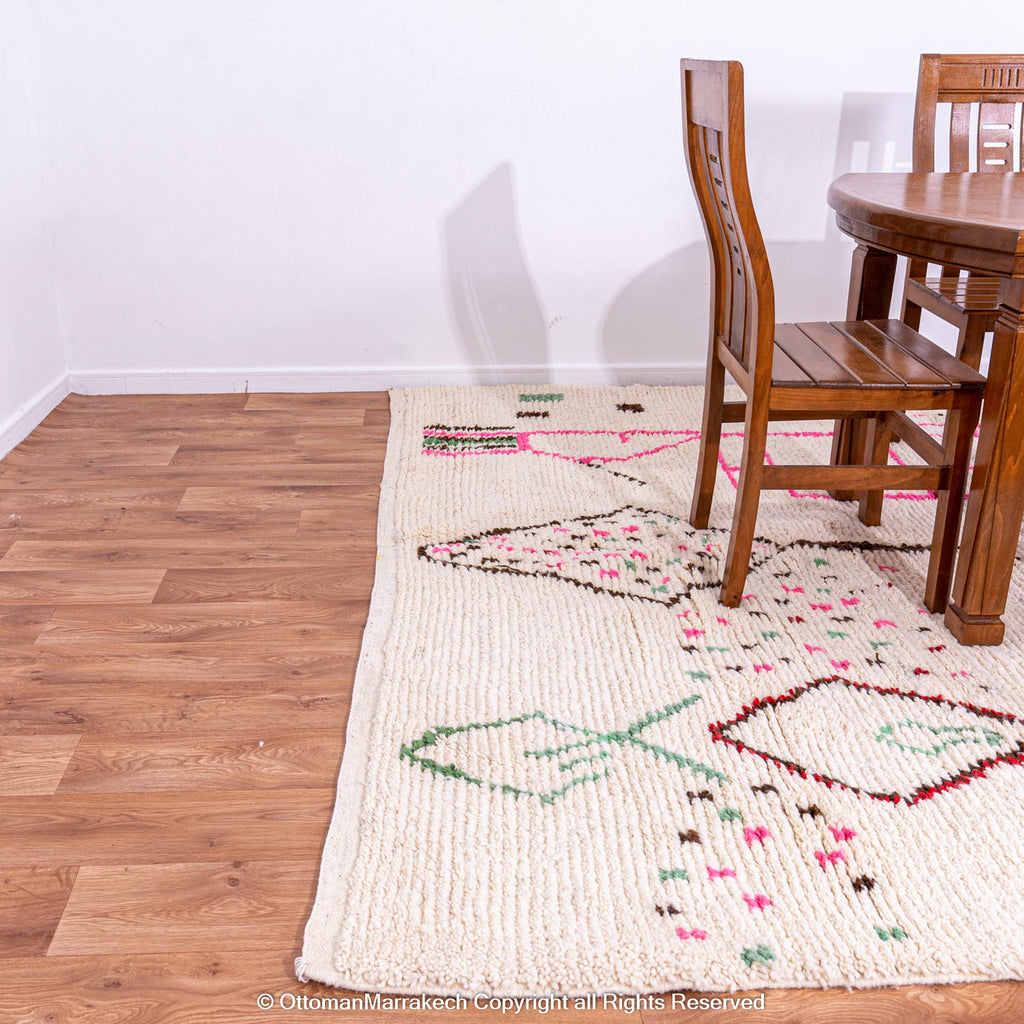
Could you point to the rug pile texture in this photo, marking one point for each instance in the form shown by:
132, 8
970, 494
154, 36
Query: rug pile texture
569, 769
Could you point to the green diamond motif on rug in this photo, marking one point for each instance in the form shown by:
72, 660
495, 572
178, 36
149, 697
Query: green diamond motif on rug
534, 755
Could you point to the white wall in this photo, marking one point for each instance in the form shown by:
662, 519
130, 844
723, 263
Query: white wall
319, 193
32, 368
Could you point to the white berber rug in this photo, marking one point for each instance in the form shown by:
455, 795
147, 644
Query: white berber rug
570, 770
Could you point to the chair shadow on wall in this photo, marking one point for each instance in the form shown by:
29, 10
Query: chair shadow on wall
649, 318
500, 323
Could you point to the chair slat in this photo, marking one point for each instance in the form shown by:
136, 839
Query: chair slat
785, 371
978, 292
960, 138
937, 360
900, 363
724, 240
860, 364
995, 136
817, 364
963, 309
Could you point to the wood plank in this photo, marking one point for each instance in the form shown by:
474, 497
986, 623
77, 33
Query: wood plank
348, 436
155, 828
288, 400
95, 433
31, 902
280, 704
327, 520
87, 586
815, 363
340, 495
95, 668
784, 369
155, 418
23, 625
855, 360
144, 553
99, 406
899, 362
943, 363
192, 586
974, 294
216, 988
241, 474
109, 453
242, 758
84, 522
228, 622
34, 765
989, 1003
161, 908
277, 455
115, 498
377, 418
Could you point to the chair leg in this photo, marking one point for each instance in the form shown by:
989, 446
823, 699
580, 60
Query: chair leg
847, 450
878, 439
958, 436
971, 341
910, 312
710, 439
744, 517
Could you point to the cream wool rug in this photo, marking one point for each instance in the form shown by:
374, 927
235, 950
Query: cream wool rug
570, 770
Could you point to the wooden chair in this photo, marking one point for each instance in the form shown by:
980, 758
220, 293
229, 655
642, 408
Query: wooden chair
862, 369
982, 91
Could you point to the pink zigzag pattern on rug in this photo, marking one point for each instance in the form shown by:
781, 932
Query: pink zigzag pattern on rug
524, 443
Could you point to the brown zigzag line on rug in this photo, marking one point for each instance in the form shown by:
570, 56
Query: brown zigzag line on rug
446, 426
614, 472
669, 600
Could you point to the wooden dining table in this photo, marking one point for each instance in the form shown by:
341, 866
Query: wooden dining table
975, 222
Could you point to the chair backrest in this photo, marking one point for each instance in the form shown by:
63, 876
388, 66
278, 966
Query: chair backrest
742, 297
984, 92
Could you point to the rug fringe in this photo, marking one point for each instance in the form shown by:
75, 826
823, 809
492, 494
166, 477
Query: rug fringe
300, 968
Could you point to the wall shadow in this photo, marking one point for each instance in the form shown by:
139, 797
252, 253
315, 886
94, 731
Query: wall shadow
494, 304
661, 315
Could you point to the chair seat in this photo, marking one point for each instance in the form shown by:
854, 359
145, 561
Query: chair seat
858, 354
974, 296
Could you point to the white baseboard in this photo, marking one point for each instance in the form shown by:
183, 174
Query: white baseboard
369, 378
27, 417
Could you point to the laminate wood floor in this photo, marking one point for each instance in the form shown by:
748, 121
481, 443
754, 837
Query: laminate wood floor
183, 586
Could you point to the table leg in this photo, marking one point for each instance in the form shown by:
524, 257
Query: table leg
872, 276
996, 504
